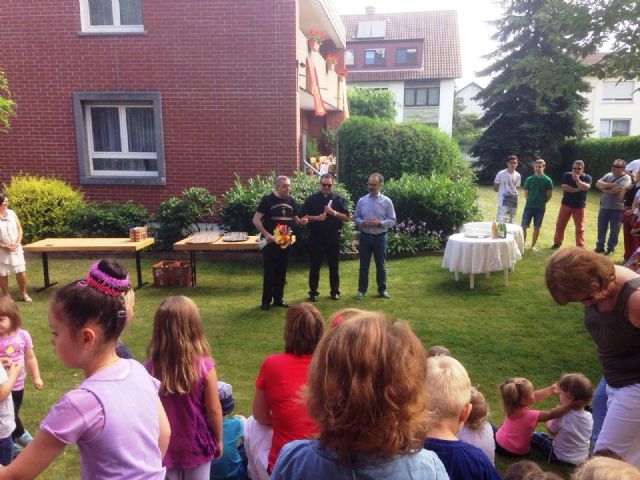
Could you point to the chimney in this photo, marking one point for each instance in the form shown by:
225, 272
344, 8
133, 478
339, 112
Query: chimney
370, 10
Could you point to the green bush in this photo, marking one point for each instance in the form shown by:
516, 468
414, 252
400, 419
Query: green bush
239, 204
370, 145
44, 205
437, 205
108, 219
178, 217
368, 102
597, 154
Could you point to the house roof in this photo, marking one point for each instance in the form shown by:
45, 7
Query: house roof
438, 31
593, 58
471, 86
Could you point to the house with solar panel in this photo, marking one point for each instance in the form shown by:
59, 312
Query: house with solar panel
414, 55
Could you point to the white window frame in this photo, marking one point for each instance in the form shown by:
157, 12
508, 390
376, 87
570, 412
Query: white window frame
377, 53
348, 52
427, 89
415, 51
610, 129
611, 91
82, 103
124, 142
85, 20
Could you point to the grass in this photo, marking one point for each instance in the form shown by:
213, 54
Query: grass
495, 331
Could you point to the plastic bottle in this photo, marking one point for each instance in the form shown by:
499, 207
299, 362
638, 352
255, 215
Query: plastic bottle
494, 230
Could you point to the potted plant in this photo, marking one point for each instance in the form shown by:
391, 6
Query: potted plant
315, 38
332, 61
343, 72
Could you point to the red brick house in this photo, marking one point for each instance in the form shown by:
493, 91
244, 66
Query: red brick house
138, 99
415, 55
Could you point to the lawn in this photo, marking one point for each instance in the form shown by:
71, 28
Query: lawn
495, 331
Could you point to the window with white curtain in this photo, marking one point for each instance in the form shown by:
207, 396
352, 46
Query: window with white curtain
610, 127
123, 16
119, 138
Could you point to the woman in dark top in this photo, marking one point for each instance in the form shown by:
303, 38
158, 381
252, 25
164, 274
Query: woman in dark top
611, 299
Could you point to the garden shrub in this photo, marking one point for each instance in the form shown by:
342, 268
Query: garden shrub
597, 154
239, 204
108, 219
178, 217
432, 206
370, 145
44, 205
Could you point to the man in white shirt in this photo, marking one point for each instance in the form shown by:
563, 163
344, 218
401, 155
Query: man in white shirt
506, 184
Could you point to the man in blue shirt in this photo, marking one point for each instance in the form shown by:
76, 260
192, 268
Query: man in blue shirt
374, 216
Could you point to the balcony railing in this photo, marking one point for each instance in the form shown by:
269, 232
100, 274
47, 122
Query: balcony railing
331, 85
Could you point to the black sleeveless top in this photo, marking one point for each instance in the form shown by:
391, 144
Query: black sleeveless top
617, 339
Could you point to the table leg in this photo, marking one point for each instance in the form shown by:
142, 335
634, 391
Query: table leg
456, 275
471, 284
192, 261
45, 272
506, 277
139, 271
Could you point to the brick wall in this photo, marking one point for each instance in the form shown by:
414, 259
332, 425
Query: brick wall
226, 72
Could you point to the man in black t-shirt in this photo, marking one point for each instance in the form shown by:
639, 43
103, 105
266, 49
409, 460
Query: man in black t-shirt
575, 185
277, 208
325, 212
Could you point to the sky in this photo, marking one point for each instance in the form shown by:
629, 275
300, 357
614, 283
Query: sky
475, 33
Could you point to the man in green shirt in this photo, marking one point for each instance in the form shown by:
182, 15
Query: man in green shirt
538, 189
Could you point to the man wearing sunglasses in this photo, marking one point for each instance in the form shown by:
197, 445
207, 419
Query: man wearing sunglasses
611, 206
575, 185
326, 211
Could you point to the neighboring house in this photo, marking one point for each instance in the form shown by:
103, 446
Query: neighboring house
415, 55
139, 99
467, 94
614, 105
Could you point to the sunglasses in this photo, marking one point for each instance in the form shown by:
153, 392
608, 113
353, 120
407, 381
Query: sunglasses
327, 184
617, 166
577, 168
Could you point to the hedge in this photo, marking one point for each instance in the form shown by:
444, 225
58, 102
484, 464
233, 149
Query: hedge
369, 145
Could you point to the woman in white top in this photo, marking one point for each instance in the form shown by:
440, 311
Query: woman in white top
11, 256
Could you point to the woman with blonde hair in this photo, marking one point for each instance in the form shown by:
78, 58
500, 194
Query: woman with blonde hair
366, 391
611, 302
606, 468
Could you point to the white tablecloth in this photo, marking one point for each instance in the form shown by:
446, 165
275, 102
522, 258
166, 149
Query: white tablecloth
512, 228
480, 255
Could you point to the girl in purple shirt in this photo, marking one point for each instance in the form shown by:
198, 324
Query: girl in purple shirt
115, 416
180, 358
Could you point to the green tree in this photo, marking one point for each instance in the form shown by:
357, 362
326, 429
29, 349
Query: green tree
534, 100
466, 130
7, 106
367, 102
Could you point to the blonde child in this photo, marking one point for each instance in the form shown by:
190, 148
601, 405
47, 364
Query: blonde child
449, 390
179, 356
605, 468
476, 429
517, 394
16, 347
572, 431
114, 416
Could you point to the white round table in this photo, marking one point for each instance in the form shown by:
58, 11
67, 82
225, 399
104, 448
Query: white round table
480, 255
512, 228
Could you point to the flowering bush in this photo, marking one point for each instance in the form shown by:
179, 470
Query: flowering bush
331, 59
343, 71
315, 35
409, 237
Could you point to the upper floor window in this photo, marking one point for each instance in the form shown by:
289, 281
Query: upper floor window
615, 91
406, 56
375, 56
349, 58
421, 96
119, 138
614, 128
111, 16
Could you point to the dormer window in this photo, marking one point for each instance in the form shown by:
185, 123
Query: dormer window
406, 56
375, 56
111, 16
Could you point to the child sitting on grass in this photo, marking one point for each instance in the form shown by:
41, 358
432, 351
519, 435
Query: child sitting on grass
476, 429
572, 431
230, 465
514, 436
450, 391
